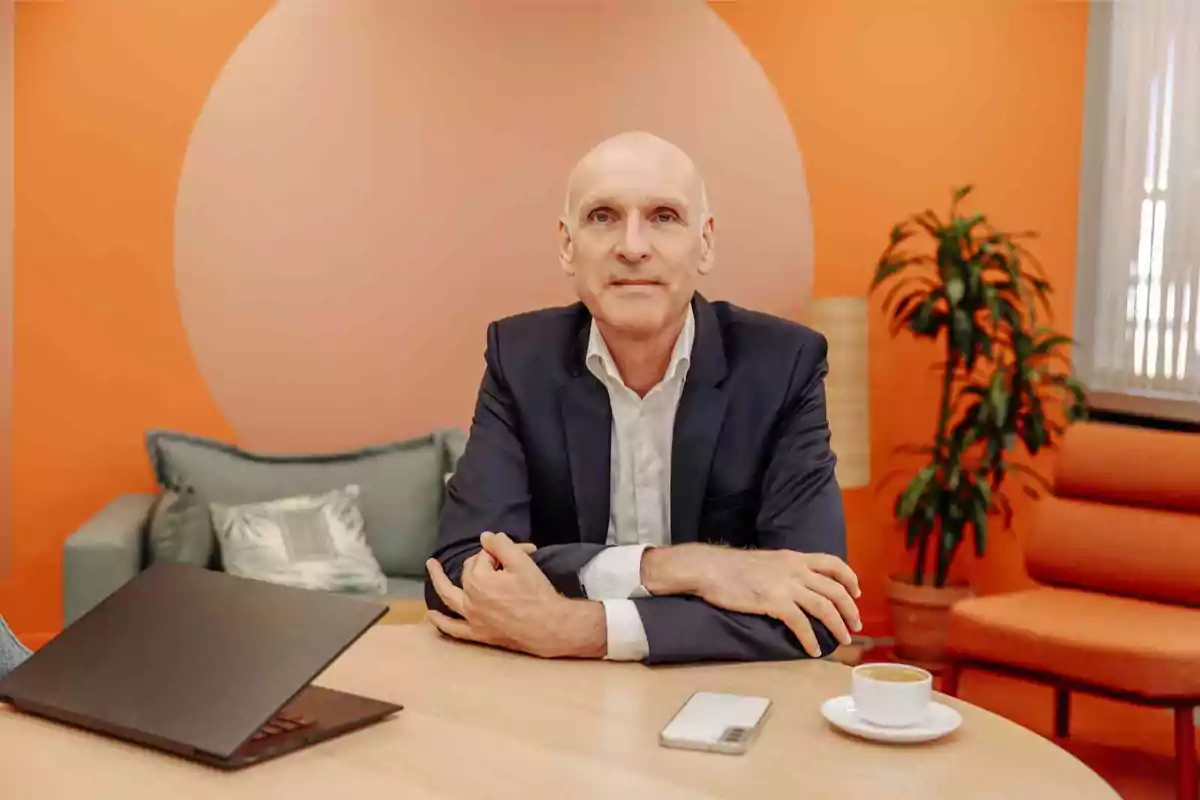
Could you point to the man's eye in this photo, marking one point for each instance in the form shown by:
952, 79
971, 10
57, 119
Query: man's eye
601, 216
665, 215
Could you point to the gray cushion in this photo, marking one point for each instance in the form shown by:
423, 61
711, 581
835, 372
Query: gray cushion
315, 542
456, 444
405, 589
179, 530
401, 485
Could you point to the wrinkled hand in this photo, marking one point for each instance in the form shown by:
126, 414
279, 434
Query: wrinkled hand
782, 584
506, 601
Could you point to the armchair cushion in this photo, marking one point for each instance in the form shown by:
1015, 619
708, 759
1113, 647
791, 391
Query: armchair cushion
401, 484
1121, 643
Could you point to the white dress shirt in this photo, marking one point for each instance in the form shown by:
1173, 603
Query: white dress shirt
639, 488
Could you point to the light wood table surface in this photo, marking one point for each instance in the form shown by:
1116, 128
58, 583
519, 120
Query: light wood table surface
488, 725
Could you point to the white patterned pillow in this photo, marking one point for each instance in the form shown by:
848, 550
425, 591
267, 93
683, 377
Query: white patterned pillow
309, 541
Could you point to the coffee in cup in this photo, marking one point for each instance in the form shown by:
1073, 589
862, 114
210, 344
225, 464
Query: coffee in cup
891, 695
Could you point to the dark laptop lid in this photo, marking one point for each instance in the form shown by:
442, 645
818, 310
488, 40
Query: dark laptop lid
191, 656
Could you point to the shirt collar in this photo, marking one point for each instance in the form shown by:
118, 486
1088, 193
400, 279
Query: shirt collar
599, 357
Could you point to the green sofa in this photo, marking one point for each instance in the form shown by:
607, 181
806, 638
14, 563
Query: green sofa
402, 488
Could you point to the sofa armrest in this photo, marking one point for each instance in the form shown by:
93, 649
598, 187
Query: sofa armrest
103, 554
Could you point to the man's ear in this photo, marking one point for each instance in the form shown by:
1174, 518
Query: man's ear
566, 247
707, 246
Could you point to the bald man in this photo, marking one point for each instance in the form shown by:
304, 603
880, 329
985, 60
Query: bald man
648, 475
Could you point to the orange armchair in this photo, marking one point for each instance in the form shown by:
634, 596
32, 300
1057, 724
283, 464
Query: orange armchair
1116, 551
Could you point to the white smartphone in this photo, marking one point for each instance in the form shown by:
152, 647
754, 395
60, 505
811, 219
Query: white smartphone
716, 722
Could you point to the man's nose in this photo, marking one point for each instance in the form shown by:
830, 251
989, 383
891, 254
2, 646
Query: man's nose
633, 246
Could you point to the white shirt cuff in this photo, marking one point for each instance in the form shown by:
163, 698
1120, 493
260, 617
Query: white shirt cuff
626, 635
614, 574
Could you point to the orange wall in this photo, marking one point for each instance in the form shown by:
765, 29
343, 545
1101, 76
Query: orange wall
892, 104
6, 269
106, 94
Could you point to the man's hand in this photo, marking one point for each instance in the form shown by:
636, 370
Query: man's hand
507, 602
782, 584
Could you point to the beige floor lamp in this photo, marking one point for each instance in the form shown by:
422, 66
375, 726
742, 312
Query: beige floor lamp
843, 321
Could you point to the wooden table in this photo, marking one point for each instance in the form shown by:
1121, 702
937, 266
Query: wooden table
487, 725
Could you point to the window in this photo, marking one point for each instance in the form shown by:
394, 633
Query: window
1138, 324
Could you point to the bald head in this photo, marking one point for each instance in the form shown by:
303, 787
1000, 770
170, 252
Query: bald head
635, 236
635, 157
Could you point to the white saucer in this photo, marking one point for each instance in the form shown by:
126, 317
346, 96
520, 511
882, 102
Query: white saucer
938, 721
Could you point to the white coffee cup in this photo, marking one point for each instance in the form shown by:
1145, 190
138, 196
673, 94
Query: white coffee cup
891, 695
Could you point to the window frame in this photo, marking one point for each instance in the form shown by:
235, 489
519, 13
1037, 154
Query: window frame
1180, 407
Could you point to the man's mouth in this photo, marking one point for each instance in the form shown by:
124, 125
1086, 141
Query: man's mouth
636, 282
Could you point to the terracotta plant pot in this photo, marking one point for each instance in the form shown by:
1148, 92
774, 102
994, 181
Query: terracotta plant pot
920, 617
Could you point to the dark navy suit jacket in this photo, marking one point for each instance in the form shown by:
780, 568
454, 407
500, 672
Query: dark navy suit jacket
751, 464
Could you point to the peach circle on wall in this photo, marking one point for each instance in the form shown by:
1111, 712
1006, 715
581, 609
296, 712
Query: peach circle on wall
371, 182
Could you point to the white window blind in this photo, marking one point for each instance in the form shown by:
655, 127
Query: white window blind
1140, 268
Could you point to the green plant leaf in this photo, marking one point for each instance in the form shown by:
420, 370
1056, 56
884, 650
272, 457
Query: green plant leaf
964, 227
1047, 345
899, 233
926, 321
1025, 254
955, 290
909, 281
1035, 428
916, 530
979, 518
930, 222
907, 309
998, 398
911, 496
962, 331
887, 269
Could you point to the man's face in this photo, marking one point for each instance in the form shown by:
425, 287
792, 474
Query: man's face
635, 237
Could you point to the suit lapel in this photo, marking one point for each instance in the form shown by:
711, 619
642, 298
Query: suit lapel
697, 424
587, 422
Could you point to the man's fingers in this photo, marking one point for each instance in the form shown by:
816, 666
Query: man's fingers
837, 594
823, 609
834, 567
461, 629
510, 555
787, 613
474, 568
451, 595
528, 547
477, 565
457, 628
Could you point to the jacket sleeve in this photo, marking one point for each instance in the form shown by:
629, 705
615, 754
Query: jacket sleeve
801, 510
490, 491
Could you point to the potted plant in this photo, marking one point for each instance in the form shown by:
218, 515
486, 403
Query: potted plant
1006, 393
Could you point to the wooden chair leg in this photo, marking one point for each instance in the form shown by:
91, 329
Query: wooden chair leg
950, 675
1185, 752
1062, 712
